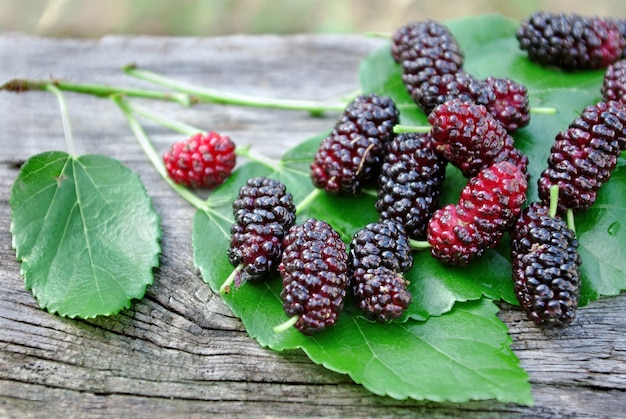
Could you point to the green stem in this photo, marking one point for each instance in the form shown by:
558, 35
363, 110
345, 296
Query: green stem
419, 244
99, 90
543, 111
286, 325
419, 129
215, 96
186, 129
554, 200
570, 221
65, 117
225, 288
153, 156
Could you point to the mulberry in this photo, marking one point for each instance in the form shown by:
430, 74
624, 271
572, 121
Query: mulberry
545, 267
204, 160
470, 138
314, 271
488, 206
425, 49
510, 106
410, 183
263, 212
379, 254
583, 156
460, 85
351, 156
614, 83
570, 41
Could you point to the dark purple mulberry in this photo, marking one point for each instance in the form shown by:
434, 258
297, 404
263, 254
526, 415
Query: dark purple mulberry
263, 211
410, 183
570, 41
460, 85
545, 267
583, 156
424, 49
379, 254
314, 271
350, 157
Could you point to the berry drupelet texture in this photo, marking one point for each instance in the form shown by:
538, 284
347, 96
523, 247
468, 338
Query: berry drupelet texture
263, 212
510, 105
410, 182
545, 265
470, 138
204, 160
460, 85
350, 157
314, 271
584, 155
425, 49
570, 41
379, 254
614, 83
488, 206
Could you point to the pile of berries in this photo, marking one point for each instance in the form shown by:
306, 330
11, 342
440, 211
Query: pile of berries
471, 122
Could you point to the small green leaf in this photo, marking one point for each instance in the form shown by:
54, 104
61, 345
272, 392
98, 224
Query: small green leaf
85, 233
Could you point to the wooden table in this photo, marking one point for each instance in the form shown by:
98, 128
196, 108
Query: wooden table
180, 351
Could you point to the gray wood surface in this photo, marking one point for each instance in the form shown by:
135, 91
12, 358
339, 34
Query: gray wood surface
180, 351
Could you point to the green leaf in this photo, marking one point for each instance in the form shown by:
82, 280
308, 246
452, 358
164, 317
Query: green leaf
491, 49
85, 233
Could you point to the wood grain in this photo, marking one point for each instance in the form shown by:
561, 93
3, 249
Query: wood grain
179, 351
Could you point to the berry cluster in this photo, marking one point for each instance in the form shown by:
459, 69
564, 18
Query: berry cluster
471, 122
432, 72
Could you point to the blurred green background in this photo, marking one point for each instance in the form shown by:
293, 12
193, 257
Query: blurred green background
95, 18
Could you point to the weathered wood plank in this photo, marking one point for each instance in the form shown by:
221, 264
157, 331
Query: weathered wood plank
180, 351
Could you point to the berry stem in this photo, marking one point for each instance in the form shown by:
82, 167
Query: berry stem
543, 111
65, 118
307, 200
99, 90
286, 325
419, 129
153, 156
187, 129
216, 96
554, 200
225, 288
570, 220
419, 244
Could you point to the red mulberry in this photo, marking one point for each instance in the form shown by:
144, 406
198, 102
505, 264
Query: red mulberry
510, 106
488, 206
201, 161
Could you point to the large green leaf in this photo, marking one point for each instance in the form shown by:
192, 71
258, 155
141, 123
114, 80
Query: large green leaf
490, 48
85, 233
450, 346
